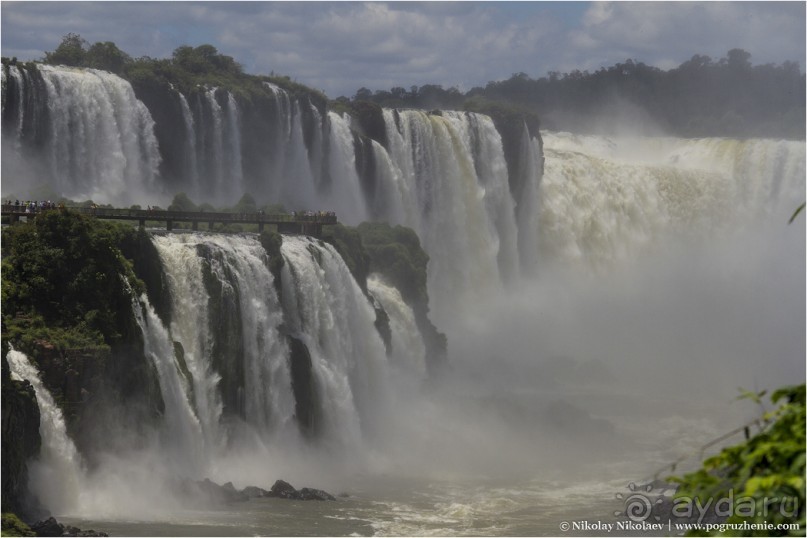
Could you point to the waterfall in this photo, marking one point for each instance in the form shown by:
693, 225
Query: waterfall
531, 170
190, 326
56, 475
191, 166
388, 203
325, 308
343, 193
290, 178
443, 175
182, 432
227, 317
447, 203
605, 200
585, 200
19, 81
101, 138
481, 140
408, 349
232, 132
215, 159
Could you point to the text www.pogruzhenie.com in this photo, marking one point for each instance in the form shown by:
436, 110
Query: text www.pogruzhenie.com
620, 526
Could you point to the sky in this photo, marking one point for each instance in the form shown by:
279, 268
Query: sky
339, 47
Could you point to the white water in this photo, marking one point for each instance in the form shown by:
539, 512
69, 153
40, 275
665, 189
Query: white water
446, 203
56, 475
408, 350
19, 79
605, 201
344, 194
216, 157
191, 164
322, 306
689, 275
325, 308
101, 138
235, 173
190, 325
182, 431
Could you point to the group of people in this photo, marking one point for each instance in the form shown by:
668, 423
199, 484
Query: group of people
313, 213
32, 206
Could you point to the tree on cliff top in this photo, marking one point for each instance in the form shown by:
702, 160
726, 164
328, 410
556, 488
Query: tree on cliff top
75, 51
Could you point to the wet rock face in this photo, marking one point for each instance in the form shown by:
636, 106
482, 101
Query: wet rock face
283, 490
51, 527
20, 422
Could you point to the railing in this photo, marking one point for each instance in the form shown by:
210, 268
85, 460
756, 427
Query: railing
318, 217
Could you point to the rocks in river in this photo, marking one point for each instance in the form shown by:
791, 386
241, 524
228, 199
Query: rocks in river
310, 494
51, 527
220, 494
283, 490
254, 492
208, 492
48, 527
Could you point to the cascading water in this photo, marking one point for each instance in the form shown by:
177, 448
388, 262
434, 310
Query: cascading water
325, 308
227, 359
100, 138
56, 475
228, 320
191, 165
343, 194
604, 200
444, 176
531, 170
182, 432
482, 142
448, 204
232, 131
408, 350
215, 130
190, 327
21, 83
290, 176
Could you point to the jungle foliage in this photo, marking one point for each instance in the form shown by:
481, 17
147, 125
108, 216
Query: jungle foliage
765, 476
700, 97
63, 280
189, 69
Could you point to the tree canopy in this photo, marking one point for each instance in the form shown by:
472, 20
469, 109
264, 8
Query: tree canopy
75, 51
700, 97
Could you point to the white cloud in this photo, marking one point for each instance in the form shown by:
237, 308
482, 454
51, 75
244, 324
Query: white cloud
667, 33
341, 46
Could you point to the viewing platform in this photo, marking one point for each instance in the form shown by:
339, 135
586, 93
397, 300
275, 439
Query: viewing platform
308, 223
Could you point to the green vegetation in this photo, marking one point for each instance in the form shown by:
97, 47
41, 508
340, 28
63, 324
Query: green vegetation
701, 97
395, 252
764, 475
14, 526
63, 281
189, 69
392, 251
348, 243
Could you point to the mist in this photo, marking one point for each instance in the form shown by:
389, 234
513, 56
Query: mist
598, 328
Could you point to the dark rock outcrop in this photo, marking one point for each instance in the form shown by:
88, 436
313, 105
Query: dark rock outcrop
224, 494
51, 527
21, 440
306, 406
254, 492
310, 494
283, 490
